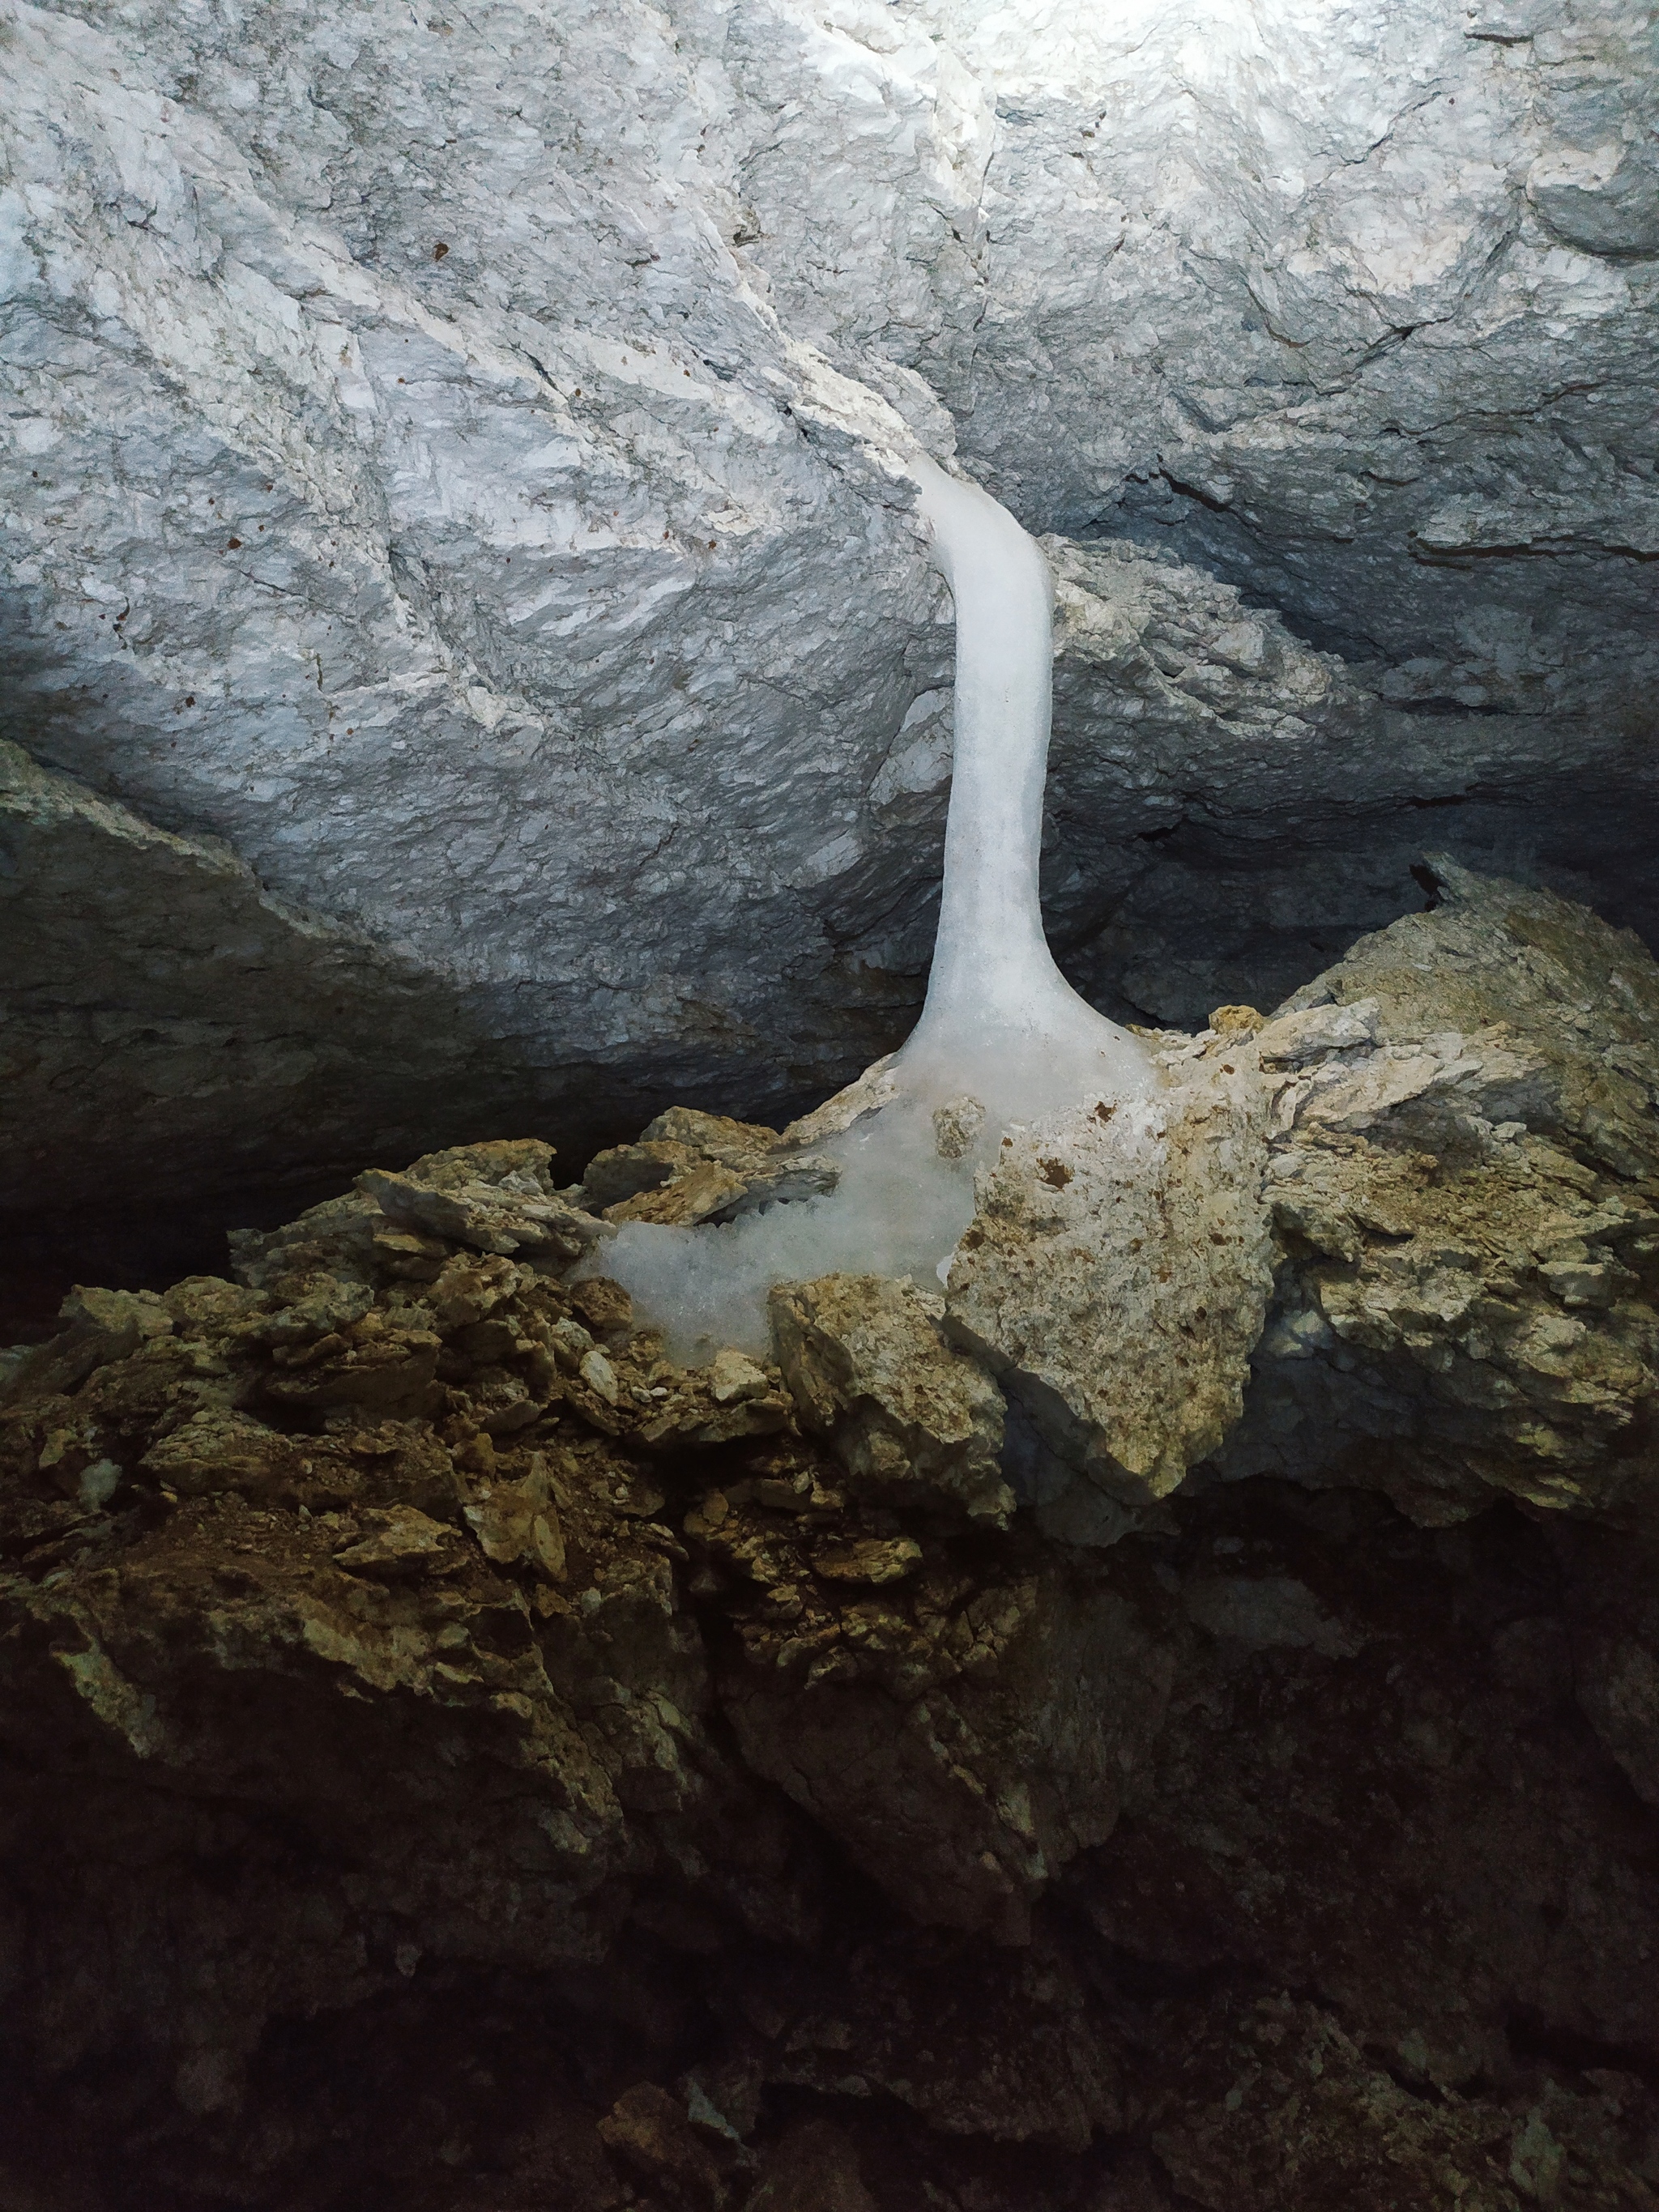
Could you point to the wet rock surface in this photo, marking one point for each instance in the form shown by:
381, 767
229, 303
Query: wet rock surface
457, 1759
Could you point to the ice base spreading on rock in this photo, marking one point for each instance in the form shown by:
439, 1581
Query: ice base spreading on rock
899, 1210
1003, 1037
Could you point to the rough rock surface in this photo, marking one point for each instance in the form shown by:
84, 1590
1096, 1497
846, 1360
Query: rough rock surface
1230, 806
1116, 1272
1463, 1174
689, 1167
457, 1759
962, 1725
453, 463
161, 1007
868, 1363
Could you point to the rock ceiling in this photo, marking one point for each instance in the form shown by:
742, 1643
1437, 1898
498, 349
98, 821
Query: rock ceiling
469, 633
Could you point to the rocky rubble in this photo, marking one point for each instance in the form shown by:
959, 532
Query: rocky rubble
458, 1759
690, 1167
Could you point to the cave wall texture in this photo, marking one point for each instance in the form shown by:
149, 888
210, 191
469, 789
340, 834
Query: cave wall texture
473, 671
469, 640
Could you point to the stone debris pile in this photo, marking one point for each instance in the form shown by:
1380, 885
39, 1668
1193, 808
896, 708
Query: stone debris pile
926, 1741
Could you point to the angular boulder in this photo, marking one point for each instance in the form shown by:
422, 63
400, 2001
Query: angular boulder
1115, 1276
1465, 1162
867, 1362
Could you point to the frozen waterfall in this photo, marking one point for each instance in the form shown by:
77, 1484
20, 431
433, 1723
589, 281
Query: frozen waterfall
1000, 1021
1003, 1037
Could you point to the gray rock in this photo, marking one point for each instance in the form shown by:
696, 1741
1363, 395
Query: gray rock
1317, 1031
961, 1743
102, 1326
690, 1167
1267, 1613
1466, 1306
174, 1028
866, 1362
1614, 1613
455, 464
1117, 1269
484, 1215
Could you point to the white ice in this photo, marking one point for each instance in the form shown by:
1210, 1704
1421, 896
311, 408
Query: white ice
1001, 1024
1000, 1021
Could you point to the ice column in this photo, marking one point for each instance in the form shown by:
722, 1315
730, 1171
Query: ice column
1002, 1038
1000, 1020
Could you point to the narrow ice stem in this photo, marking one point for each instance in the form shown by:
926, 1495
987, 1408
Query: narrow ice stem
995, 998
991, 947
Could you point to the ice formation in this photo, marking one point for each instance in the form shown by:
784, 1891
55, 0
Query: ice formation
1003, 1037
1000, 1021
